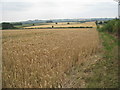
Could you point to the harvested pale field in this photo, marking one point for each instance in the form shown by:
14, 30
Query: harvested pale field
72, 24
41, 58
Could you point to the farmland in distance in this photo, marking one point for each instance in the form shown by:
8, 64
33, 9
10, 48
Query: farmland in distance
63, 25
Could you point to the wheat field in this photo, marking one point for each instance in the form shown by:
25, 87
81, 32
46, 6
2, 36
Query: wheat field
72, 24
38, 58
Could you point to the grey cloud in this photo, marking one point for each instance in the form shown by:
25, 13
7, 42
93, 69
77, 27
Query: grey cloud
50, 9
48, 4
15, 6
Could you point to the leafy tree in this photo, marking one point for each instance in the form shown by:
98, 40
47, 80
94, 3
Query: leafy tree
68, 23
96, 22
17, 23
112, 26
49, 21
7, 26
100, 22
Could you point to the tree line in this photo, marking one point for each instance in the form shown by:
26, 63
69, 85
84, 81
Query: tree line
6, 25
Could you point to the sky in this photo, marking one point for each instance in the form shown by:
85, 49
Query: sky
22, 10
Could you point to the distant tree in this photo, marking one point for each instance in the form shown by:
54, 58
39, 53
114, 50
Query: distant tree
52, 26
33, 24
100, 22
49, 21
116, 18
68, 23
105, 21
96, 22
56, 23
7, 26
17, 23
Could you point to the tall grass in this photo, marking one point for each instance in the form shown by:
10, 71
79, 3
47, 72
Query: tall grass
105, 72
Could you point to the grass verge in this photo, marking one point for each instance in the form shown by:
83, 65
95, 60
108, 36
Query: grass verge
105, 71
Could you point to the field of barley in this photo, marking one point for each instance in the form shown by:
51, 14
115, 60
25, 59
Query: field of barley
71, 24
43, 58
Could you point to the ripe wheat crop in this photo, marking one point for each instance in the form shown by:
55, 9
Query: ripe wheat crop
40, 58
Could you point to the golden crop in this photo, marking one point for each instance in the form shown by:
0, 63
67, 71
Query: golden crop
40, 58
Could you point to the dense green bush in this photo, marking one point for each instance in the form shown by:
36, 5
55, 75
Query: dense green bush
7, 26
112, 26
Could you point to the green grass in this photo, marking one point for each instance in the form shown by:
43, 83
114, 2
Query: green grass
28, 25
24, 25
105, 71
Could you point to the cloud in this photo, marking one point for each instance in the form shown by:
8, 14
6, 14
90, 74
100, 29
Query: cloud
15, 6
17, 10
57, 0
